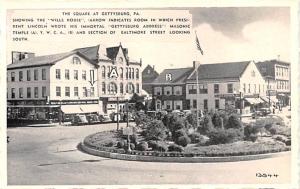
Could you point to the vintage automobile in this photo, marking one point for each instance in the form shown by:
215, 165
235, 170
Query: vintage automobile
104, 118
93, 118
79, 119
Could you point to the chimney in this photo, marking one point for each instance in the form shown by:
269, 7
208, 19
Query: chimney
18, 56
153, 67
278, 57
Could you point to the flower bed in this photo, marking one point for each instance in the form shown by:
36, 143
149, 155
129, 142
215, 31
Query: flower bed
107, 141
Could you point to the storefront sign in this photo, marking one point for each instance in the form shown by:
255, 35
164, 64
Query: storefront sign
128, 131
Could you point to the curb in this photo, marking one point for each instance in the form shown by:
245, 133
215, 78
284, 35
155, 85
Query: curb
178, 159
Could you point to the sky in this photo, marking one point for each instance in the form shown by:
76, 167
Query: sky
226, 34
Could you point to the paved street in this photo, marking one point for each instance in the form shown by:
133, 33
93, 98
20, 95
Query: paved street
49, 156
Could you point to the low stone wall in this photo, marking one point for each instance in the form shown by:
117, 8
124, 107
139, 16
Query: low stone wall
129, 157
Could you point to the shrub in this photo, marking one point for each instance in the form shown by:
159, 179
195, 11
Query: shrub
158, 146
233, 122
195, 137
179, 133
192, 119
109, 143
141, 120
183, 141
156, 130
273, 130
250, 132
206, 125
121, 143
253, 137
132, 146
221, 136
175, 148
217, 120
143, 146
133, 138
173, 122
203, 140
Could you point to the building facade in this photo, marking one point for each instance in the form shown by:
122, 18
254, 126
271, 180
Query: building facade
148, 76
169, 89
39, 86
84, 80
278, 74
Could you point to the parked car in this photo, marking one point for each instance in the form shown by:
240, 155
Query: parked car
265, 111
79, 119
92, 118
104, 118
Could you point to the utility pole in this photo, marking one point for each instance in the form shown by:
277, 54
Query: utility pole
117, 113
197, 95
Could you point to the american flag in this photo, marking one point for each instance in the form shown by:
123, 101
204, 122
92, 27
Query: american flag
198, 44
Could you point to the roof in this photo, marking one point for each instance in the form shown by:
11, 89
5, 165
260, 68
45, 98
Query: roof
220, 70
89, 52
149, 77
267, 68
178, 75
43, 60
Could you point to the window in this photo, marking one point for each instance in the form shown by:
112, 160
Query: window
121, 73
84, 92
43, 91
168, 105
217, 104
244, 87
84, 74
20, 75
254, 88
28, 92
75, 91
129, 72
132, 73
216, 88
192, 89
103, 88
92, 91
36, 92
76, 74
12, 76
253, 73
35, 74
258, 88
203, 88
130, 88
249, 88
76, 60
121, 88
137, 74
20, 92
205, 104
112, 88
188, 104
57, 73
178, 90
168, 90
137, 88
157, 90
67, 91
194, 103
28, 75
13, 93
103, 72
126, 73
43, 74
67, 74
229, 88
58, 91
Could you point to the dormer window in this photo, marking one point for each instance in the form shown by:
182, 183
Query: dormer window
76, 60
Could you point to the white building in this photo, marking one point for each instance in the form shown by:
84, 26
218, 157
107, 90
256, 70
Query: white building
38, 86
226, 85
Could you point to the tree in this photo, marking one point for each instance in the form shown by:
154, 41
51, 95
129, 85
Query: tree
206, 125
217, 120
156, 130
234, 122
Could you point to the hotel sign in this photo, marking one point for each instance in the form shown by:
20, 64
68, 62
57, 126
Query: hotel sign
225, 95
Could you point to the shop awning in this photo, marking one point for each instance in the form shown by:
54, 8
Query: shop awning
254, 100
32, 106
88, 108
71, 109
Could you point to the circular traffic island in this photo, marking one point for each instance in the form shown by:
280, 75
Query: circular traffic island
137, 147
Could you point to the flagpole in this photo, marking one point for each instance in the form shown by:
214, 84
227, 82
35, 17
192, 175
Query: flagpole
197, 95
197, 78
